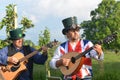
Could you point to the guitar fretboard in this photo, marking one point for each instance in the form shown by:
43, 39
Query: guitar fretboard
30, 55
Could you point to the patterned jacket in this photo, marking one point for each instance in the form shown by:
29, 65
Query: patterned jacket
82, 45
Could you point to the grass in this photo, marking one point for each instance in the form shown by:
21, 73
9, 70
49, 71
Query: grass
109, 68
104, 70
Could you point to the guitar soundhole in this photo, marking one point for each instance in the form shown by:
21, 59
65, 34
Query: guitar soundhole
67, 67
73, 60
15, 67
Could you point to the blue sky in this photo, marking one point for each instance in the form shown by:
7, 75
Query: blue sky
49, 13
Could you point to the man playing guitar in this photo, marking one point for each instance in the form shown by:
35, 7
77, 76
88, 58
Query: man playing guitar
7, 57
77, 45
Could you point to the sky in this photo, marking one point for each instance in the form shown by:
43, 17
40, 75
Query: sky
48, 13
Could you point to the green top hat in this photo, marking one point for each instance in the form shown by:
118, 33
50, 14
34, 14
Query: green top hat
16, 34
70, 23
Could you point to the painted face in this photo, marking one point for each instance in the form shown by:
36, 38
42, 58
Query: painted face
18, 43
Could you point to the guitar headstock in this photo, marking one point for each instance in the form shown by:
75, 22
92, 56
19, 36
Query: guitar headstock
50, 45
110, 38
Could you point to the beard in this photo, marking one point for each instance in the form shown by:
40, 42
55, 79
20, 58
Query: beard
75, 39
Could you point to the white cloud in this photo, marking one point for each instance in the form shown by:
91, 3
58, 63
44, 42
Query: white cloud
31, 16
40, 9
41, 12
65, 7
60, 8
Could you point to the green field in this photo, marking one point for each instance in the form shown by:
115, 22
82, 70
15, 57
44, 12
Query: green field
105, 70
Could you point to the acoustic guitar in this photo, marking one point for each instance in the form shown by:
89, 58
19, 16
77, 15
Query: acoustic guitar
11, 71
77, 59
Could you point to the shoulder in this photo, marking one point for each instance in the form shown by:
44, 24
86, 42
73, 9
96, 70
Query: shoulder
28, 47
87, 42
63, 44
4, 49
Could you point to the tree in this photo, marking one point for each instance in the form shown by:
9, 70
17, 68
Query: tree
8, 20
44, 37
3, 43
104, 21
29, 42
26, 23
9, 23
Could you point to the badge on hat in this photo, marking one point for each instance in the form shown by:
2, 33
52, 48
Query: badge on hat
16, 34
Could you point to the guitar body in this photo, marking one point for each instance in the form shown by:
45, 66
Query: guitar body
11, 71
72, 68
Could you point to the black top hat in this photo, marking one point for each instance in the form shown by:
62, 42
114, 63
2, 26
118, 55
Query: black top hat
16, 34
70, 23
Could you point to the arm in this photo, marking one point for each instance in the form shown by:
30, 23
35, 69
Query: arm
55, 58
3, 56
97, 52
57, 61
39, 58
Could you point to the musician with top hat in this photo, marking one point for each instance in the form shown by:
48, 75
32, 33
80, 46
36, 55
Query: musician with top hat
10, 54
72, 46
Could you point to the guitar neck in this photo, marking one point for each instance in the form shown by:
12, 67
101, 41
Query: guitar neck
83, 53
30, 55
107, 40
49, 45
86, 51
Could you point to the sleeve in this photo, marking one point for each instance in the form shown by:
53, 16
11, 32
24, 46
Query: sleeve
56, 57
94, 54
3, 56
39, 58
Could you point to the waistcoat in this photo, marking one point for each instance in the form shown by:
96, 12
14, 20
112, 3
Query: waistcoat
26, 51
